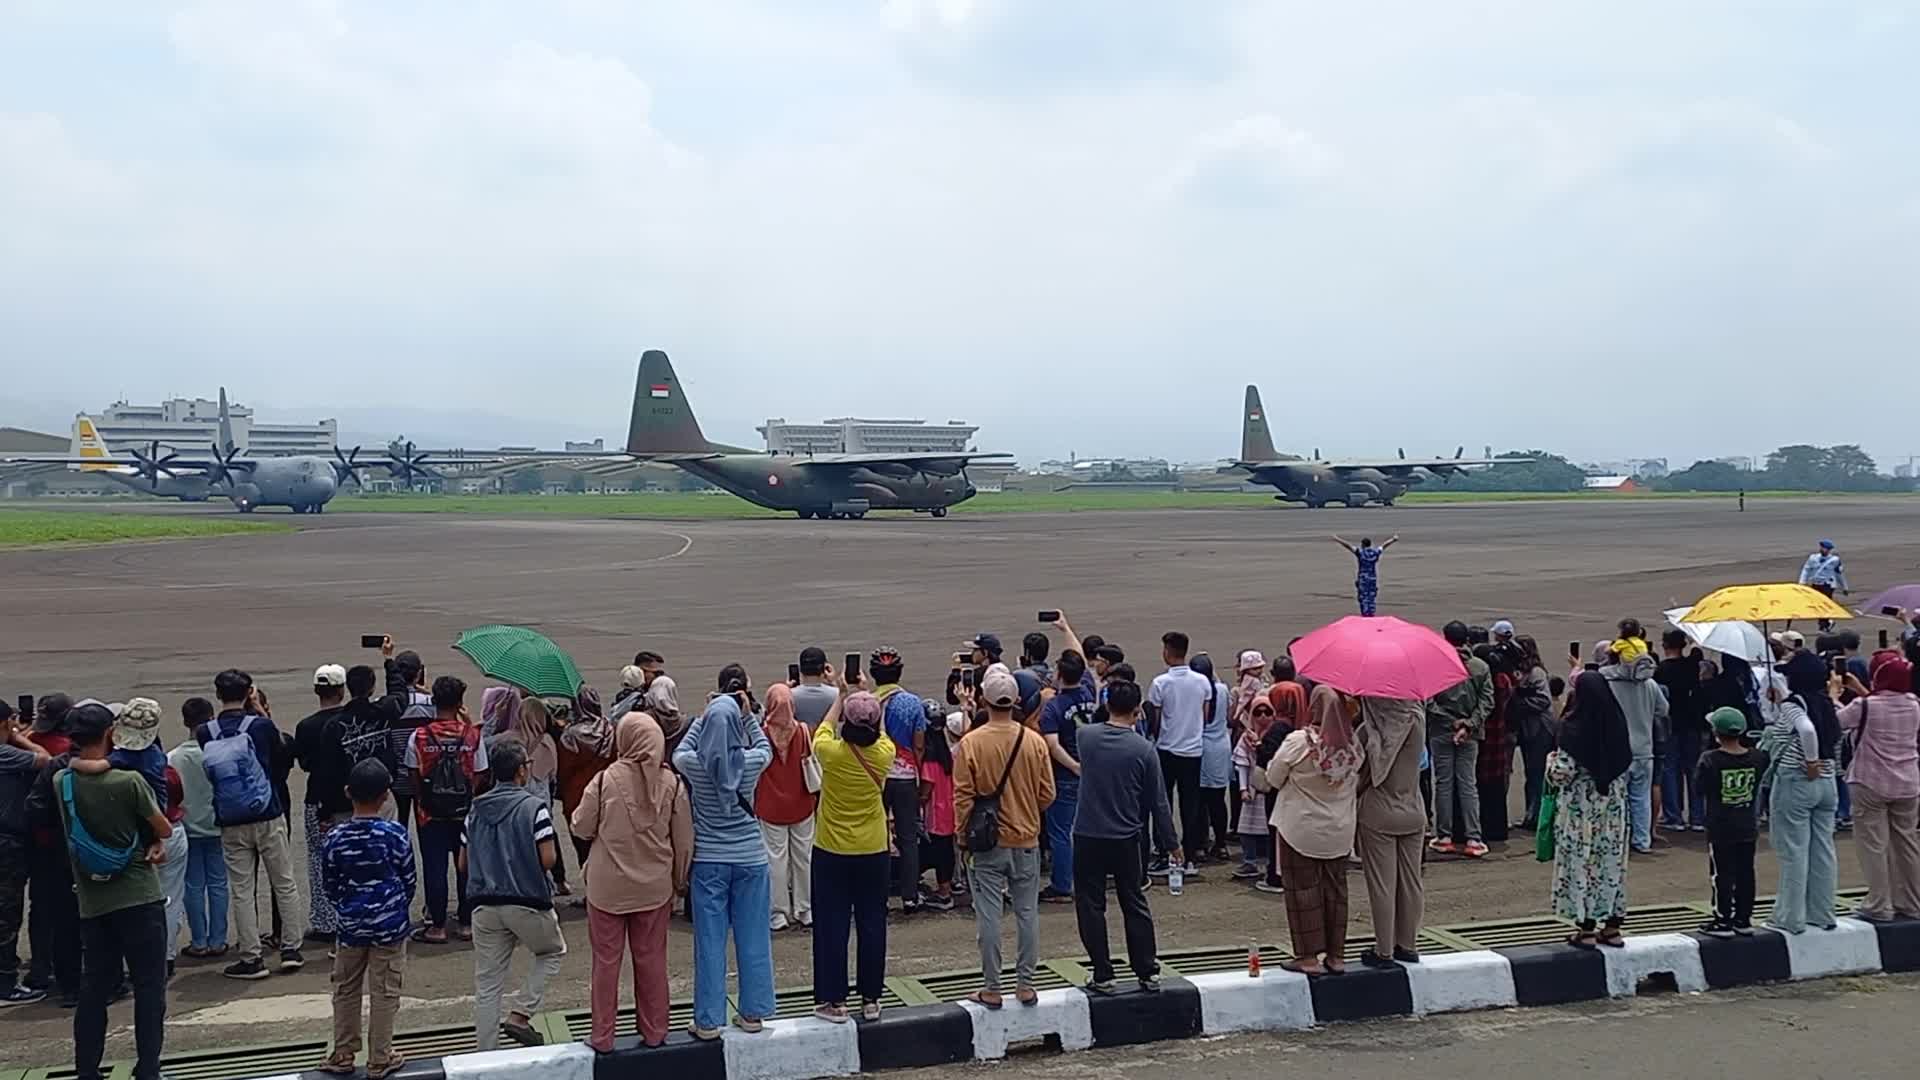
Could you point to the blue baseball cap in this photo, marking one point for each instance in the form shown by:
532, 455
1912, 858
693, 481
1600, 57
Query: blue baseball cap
1826, 545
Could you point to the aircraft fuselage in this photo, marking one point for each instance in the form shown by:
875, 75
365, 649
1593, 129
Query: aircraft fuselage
788, 483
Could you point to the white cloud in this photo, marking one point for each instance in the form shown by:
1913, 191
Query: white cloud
913, 207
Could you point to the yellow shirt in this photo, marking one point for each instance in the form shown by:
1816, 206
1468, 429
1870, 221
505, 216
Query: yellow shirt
852, 819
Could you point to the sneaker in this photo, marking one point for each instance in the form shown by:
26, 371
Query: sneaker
249, 970
1246, 871
749, 1024
1719, 928
911, 907
777, 923
1406, 956
1265, 886
1475, 850
1051, 895
1150, 984
1101, 986
704, 1034
291, 961
939, 903
1697, 827
1442, 846
21, 995
1743, 929
1157, 868
1843, 825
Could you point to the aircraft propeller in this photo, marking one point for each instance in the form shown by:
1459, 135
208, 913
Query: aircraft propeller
407, 465
150, 464
347, 465
222, 470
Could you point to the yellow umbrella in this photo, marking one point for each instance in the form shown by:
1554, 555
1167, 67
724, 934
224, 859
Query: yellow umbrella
1765, 603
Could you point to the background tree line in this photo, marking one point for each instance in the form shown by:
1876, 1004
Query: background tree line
1799, 467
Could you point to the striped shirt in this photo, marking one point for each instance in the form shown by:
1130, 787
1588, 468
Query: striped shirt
724, 828
366, 868
1791, 741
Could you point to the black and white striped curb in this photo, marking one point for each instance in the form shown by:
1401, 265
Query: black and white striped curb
1221, 1004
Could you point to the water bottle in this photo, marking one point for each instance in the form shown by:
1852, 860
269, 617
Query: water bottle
1176, 880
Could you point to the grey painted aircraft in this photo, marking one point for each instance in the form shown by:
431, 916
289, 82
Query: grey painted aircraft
823, 486
1318, 482
304, 483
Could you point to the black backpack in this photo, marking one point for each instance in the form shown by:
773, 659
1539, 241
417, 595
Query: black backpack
449, 791
983, 822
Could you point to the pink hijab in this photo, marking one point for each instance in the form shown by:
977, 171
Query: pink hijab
778, 719
1332, 735
637, 780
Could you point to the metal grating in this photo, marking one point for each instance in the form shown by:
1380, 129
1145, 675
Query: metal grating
1511, 933
955, 986
578, 1024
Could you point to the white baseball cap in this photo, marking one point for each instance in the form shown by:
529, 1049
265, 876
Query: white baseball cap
330, 675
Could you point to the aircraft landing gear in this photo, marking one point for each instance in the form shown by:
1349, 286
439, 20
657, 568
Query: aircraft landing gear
939, 511
1316, 504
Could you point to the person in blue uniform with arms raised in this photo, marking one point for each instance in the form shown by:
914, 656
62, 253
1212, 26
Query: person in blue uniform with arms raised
1366, 581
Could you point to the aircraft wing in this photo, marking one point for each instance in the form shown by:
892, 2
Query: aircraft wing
926, 457
164, 463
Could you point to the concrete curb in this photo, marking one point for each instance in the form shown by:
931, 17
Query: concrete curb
1211, 1005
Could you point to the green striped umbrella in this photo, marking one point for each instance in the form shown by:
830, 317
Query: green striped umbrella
526, 658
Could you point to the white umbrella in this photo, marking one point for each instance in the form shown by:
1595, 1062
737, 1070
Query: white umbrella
1741, 639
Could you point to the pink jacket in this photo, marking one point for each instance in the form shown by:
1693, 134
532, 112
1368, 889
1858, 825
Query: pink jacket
1886, 754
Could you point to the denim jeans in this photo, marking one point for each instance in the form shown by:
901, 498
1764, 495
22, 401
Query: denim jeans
206, 893
1455, 768
1680, 802
1844, 809
1802, 833
1640, 802
1066, 800
728, 898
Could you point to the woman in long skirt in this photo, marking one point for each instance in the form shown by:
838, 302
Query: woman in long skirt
1589, 772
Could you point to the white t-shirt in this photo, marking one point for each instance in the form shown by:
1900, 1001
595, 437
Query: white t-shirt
1181, 695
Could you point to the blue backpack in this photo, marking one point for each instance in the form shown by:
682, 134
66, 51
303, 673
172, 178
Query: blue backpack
241, 791
95, 859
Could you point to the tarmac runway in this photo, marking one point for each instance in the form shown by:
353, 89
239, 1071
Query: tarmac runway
160, 618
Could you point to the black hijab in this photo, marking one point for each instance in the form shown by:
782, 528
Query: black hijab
1595, 732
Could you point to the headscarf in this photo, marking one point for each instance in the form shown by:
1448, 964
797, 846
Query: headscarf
1893, 677
1256, 724
499, 710
1594, 733
1332, 735
589, 732
778, 718
531, 725
1289, 703
662, 700
636, 778
721, 751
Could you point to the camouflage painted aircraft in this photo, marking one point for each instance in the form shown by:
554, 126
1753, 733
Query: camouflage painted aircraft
1318, 482
822, 486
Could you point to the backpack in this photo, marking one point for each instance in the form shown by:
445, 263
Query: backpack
983, 822
95, 859
449, 790
242, 792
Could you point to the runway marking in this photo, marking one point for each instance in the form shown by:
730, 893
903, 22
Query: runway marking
686, 545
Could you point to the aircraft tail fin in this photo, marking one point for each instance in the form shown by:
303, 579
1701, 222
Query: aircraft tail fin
87, 443
226, 425
1256, 442
663, 421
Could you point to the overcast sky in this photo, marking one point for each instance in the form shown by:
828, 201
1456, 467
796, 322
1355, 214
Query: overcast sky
1634, 227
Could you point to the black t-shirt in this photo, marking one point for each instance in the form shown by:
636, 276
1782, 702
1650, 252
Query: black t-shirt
1681, 677
1731, 783
318, 754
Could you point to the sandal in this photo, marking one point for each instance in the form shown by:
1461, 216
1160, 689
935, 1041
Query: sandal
1027, 996
339, 1066
832, 1014
431, 935
1612, 939
986, 999
381, 1072
1581, 939
870, 1011
463, 932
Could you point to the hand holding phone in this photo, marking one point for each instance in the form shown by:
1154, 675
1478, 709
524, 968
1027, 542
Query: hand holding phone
793, 674
373, 641
1573, 651
1050, 616
25, 706
852, 670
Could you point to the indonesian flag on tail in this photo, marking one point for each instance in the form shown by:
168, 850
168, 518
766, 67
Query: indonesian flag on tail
659, 390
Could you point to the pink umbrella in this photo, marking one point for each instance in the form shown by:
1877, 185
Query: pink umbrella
1379, 657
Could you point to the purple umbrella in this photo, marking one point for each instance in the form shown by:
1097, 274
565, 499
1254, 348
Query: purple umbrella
1904, 597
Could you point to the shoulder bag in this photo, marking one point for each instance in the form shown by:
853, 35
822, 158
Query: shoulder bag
983, 822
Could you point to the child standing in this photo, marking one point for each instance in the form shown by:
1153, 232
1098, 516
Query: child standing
1252, 826
206, 894
366, 866
1729, 776
936, 791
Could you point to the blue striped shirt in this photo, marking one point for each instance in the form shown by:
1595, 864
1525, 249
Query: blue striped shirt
724, 831
366, 867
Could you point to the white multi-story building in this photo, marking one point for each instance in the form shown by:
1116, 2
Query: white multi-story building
192, 425
854, 435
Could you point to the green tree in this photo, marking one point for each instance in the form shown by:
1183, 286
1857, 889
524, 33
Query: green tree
1546, 472
1853, 465
1708, 476
1799, 467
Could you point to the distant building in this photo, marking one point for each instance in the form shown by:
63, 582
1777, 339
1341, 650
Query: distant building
854, 435
1745, 464
1612, 483
597, 446
192, 426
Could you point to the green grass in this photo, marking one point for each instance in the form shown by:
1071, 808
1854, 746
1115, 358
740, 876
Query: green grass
689, 505
25, 528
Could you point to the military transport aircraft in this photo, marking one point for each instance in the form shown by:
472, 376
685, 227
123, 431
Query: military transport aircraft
305, 483
1317, 482
822, 486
